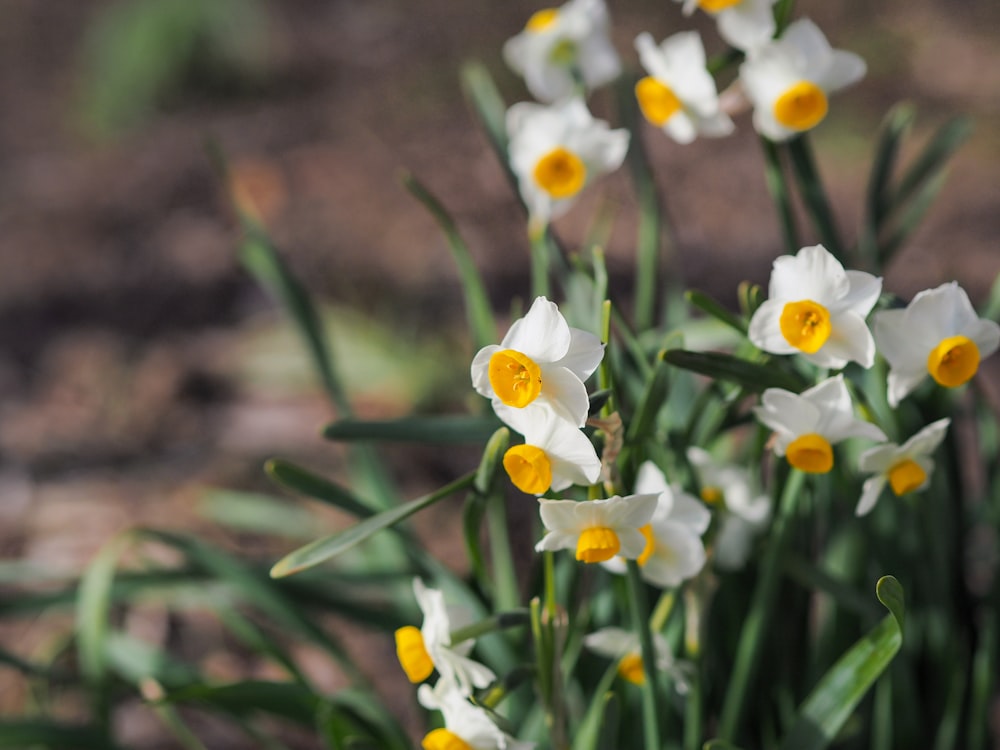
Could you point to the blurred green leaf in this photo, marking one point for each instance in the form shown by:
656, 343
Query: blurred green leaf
653, 397
751, 375
814, 194
934, 157
21, 734
289, 700
259, 514
312, 485
490, 109
895, 126
460, 428
708, 305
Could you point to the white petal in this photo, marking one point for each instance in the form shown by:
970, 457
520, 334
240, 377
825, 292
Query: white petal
632, 511
650, 479
764, 331
863, 293
746, 28
786, 413
567, 394
813, 273
542, 334
902, 383
901, 345
556, 540
558, 515
690, 512
677, 556
926, 441
681, 128
584, 354
985, 334
845, 68
869, 494
632, 543
480, 370
611, 642
850, 341
880, 458
731, 547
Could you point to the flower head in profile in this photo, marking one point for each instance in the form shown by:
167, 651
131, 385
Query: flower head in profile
421, 651
541, 362
466, 726
562, 48
905, 468
623, 645
745, 24
790, 79
679, 95
556, 151
817, 309
807, 425
555, 454
597, 529
743, 513
673, 551
938, 334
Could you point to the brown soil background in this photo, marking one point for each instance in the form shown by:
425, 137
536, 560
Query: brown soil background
139, 364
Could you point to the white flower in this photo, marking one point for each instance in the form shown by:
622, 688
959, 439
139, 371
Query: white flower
745, 24
555, 453
807, 425
906, 467
541, 361
621, 644
938, 334
421, 651
556, 151
789, 79
818, 309
465, 725
597, 529
679, 94
743, 513
674, 551
561, 46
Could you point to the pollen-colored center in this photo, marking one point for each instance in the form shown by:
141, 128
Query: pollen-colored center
542, 19
597, 544
515, 378
630, 668
810, 453
650, 548
657, 101
802, 106
954, 361
805, 325
560, 173
906, 476
714, 6
412, 654
529, 468
712, 495
442, 739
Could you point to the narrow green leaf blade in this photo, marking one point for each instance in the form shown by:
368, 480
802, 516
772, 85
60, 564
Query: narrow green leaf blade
45, 734
710, 306
945, 142
751, 375
417, 429
312, 485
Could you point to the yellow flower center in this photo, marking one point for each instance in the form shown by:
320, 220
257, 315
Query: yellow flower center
560, 173
657, 101
529, 468
954, 361
597, 544
442, 739
542, 19
412, 654
802, 106
650, 548
630, 668
712, 495
714, 6
810, 453
515, 378
906, 476
805, 325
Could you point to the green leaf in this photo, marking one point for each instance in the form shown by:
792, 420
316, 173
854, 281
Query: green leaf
719, 745
945, 142
258, 514
833, 700
895, 126
418, 429
814, 194
708, 305
652, 401
752, 376
311, 485
484, 97
607, 739
325, 548
46, 734
781, 194
910, 218
289, 700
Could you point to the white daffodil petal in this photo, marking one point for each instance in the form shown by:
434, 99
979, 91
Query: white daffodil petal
678, 555
764, 330
864, 291
926, 441
584, 354
879, 459
650, 479
690, 512
850, 341
748, 25
543, 333
567, 394
869, 494
812, 273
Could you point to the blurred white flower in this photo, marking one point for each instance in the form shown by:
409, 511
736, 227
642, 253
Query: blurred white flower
679, 94
597, 529
623, 645
555, 453
807, 425
466, 726
906, 468
421, 651
742, 512
541, 361
674, 551
745, 24
563, 48
556, 151
790, 79
938, 334
817, 309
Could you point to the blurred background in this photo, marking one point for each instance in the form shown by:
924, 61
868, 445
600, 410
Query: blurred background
140, 366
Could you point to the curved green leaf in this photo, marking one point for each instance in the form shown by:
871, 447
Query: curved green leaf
312, 485
751, 375
458, 428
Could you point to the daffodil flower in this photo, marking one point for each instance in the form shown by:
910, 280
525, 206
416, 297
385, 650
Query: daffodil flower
817, 309
745, 24
807, 425
790, 79
743, 513
421, 651
938, 334
597, 530
905, 468
556, 151
466, 726
679, 94
673, 551
623, 645
555, 453
541, 361
562, 48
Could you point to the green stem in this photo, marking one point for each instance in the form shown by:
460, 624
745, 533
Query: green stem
662, 610
777, 186
504, 573
549, 561
640, 619
814, 195
510, 619
540, 261
694, 710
